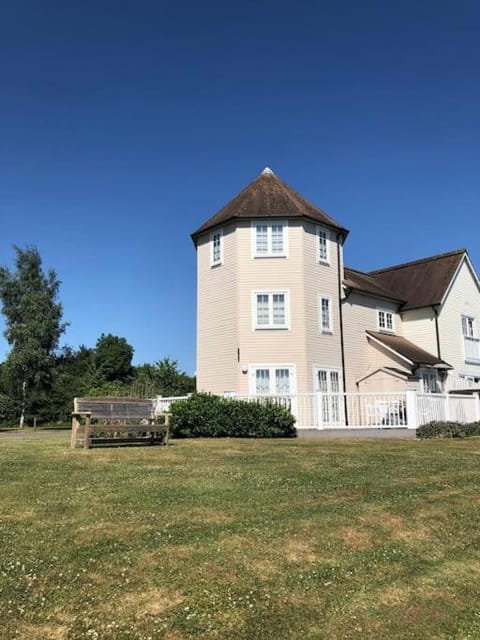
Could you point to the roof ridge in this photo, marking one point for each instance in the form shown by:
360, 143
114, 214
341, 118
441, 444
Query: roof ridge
402, 265
268, 196
363, 273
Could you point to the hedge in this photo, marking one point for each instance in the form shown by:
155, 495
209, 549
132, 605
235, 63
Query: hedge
208, 416
448, 430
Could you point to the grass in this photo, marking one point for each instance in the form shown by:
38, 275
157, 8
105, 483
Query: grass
240, 540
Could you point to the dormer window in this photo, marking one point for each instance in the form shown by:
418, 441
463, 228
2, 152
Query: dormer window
216, 248
269, 239
385, 320
323, 249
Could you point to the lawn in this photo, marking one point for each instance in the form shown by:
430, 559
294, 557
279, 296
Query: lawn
240, 539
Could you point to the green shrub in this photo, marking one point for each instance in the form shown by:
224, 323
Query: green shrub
448, 430
208, 416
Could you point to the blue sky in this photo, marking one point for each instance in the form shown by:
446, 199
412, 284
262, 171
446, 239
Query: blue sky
124, 125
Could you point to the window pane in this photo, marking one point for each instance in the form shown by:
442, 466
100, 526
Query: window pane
468, 327
381, 319
262, 238
278, 309
325, 313
216, 248
322, 245
262, 309
389, 321
322, 381
262, 381
334, 382
277, 238
429, 380
282, 381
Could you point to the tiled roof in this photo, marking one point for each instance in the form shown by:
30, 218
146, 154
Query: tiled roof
408, 349
367, 284
421, 283
268, 197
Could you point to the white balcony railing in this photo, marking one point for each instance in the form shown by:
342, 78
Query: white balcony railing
472, 349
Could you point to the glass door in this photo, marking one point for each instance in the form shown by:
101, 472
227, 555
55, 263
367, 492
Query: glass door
330, 407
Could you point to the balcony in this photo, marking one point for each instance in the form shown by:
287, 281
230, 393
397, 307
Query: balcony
472, 349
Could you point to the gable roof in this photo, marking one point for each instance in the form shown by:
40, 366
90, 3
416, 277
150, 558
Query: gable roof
422, 283
268, 197
365, 283
408, 350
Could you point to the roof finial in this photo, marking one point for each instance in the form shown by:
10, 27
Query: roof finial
267, 172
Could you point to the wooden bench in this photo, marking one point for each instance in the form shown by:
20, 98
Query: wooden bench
112, 420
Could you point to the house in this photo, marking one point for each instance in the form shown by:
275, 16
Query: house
278, 312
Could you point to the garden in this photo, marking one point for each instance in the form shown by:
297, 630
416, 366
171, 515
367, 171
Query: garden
240, 539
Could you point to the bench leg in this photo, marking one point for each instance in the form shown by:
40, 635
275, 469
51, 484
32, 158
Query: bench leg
75, 425
87, 441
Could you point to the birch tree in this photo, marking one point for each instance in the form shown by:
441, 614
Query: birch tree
33, 320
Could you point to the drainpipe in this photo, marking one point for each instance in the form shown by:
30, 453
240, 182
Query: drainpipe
340, 238
436, 312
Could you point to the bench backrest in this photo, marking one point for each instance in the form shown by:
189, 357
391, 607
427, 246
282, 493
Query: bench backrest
115, 408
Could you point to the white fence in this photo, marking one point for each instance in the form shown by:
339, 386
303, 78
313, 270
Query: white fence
162, 405
366, 410
338, 410
457, 408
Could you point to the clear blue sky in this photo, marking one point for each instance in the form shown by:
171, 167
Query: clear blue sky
124, 125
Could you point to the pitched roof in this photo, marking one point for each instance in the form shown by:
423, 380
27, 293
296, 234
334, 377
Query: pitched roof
268, 197
408, 350
367, 284
422, 283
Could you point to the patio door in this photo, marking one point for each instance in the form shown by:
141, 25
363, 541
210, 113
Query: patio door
329, 400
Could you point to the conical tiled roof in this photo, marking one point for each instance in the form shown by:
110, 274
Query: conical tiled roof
268, 197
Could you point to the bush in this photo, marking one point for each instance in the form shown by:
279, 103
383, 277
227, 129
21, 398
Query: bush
208, 416
8, 409
448, 430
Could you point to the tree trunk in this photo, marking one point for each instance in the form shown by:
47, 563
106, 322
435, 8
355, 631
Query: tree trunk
22, 414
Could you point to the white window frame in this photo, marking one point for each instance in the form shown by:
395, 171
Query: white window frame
470, 378
320, 231
323, 329
473, 326
216, 262
252, 369
329, 404
270, 293
269, 223
385, 312
329, 370
471, 341
429, 373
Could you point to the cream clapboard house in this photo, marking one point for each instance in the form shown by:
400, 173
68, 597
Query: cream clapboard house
278, 313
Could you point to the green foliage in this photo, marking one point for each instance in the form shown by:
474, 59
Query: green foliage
33, 319
38, 380
113, 388
113, 358
205, 415
8, 408
448, 430
163, 378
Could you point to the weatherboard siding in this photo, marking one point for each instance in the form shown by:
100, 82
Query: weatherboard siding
419, 327
270, 346
216, 316
359, 315
462, 299
322, 349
